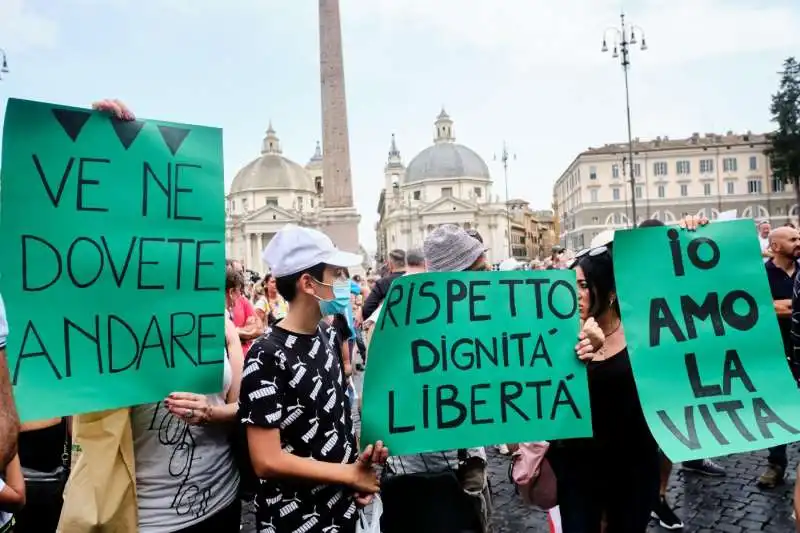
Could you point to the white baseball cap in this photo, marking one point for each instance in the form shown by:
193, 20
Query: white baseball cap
295, 248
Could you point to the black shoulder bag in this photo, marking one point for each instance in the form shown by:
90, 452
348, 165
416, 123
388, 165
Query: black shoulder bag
49, 486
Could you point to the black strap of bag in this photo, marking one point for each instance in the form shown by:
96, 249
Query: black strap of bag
49, 486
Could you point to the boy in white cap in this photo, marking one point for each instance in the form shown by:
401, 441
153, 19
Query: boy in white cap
293, 399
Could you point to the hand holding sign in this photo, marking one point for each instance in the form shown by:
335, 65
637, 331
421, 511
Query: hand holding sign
590, 340
691, 222
193, 408
363, 477
114, 107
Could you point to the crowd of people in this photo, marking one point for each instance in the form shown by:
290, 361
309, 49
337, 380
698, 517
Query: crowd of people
277, 449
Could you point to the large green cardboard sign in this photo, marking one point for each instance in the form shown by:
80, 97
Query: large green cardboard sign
475, 358
113, 258
705, 345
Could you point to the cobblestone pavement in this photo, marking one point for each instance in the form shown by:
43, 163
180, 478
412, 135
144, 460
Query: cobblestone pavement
732, 504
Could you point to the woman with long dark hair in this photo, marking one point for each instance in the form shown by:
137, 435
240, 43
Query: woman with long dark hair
612, 477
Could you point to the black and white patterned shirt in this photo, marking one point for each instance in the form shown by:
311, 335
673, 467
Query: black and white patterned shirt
295, 383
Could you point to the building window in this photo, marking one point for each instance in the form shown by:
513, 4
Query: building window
233, 206
417, 195
660, 168
271, 200
637, 170
615, 170
615, 193
478, 192
447, 192
706, 189
753, 162
244, 204
595, 220
683, 168
311, 201
638, 191
592, 173
778, 185
706, 166
754, 186
593, 194
730, 187
729, 164
684, 190
662, 192
299, 203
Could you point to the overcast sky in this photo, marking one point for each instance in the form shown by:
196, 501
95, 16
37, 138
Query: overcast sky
529, 72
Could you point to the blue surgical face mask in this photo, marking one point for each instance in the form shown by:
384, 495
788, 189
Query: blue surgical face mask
341, 299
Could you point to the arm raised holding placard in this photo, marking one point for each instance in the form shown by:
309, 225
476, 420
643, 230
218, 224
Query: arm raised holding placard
114, 107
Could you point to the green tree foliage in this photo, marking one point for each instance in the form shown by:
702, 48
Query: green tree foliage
784, 152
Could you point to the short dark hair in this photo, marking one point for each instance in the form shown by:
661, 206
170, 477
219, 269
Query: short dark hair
287, 285
651, 223
397, 258
234, 279
415, 257
599, 273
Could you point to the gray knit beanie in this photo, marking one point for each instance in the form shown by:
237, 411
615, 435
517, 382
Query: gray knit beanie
450, 249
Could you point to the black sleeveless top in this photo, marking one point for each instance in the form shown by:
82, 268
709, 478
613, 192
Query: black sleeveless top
617, 417
42, 449
618, 424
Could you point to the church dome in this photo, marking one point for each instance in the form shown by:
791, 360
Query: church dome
272, 170
446, 158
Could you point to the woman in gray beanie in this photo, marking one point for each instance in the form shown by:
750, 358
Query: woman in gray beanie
447, 491
451, 249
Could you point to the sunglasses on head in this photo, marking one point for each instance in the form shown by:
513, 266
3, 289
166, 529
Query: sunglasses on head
591, 252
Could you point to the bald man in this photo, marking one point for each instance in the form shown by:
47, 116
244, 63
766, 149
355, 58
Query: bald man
784, 247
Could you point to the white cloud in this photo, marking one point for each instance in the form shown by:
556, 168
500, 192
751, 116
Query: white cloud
22, 27
559, 34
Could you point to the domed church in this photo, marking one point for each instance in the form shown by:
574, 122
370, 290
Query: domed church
446, 183
268, 193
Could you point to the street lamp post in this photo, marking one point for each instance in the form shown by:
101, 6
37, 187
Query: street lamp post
3, 63
504, 158
623, 37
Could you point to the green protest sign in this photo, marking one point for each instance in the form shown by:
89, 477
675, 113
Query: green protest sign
113, 258
705, 346
468, 359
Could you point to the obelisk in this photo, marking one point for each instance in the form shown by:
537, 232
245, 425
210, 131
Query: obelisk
339, 217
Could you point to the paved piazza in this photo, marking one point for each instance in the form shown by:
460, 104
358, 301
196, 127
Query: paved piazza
732, 504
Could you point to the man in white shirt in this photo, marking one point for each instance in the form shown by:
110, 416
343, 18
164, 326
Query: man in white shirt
764, 229
9, 421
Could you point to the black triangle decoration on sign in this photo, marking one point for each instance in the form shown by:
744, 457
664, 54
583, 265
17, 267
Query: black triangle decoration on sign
126, 130
173, 136
72, 121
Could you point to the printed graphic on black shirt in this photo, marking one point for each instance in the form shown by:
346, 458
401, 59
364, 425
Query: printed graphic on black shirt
295, 383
